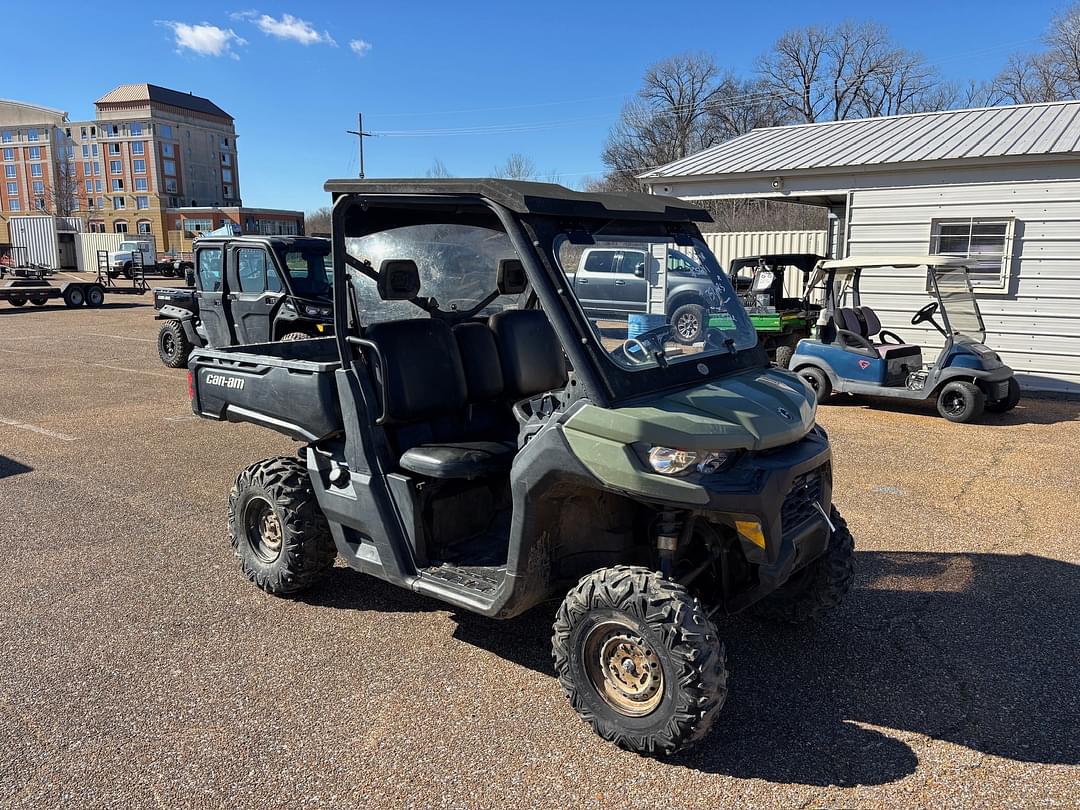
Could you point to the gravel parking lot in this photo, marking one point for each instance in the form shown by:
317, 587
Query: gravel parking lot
138, 668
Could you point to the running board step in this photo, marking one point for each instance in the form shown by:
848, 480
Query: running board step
479, 580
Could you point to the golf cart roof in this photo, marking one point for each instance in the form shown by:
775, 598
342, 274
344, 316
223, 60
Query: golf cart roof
803, 261
862, 262
525, 197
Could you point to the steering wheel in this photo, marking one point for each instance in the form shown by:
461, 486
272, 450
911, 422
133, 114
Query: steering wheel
639, 350
924, 314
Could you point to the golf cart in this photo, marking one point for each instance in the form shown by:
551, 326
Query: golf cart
781, 320
471, 434
850, 352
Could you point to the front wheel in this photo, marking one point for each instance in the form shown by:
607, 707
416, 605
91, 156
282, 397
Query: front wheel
174, 348
639, 660
1009, 402
39, 300
961, 401
277, 528
688, 323
17, 300
74, 296
820, 585
817, 380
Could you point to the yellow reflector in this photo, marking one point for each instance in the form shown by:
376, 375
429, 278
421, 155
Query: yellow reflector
751, 530
319, 326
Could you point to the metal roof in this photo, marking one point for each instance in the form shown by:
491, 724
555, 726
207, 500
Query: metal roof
526, 197
989, 132
162, 95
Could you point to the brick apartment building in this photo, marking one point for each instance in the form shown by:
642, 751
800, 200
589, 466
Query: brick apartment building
152, 161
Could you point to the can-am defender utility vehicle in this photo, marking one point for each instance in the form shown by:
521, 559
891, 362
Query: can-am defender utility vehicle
843, 357
247, 289
781, 320
470, 434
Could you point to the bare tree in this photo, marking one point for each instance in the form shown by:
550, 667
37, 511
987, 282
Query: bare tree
61, 196
851, 71
1049, 75
686, 104
318, 221
516, 167
438, 169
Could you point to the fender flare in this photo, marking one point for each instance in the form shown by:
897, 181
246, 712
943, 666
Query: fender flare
187, 323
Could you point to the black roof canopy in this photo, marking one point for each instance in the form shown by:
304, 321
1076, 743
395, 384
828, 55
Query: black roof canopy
526, 197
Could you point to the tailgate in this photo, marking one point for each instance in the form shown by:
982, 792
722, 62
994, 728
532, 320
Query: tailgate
295, 394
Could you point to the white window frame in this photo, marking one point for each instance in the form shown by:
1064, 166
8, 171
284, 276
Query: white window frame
981, 281
142, 202
118, 204
35, 170
138, 148
141, 184
33, 153
13, 205
138, 166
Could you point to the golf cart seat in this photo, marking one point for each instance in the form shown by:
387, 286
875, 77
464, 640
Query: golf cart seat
872, 328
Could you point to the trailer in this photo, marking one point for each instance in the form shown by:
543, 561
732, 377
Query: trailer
19, 292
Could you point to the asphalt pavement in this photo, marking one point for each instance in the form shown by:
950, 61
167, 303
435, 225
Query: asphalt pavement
138, 668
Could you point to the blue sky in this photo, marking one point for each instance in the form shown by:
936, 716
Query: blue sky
546, 79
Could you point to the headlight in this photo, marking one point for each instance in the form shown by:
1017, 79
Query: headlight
313, 311
672, 461
326, 312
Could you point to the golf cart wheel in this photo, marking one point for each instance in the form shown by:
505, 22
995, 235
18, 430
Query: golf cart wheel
74, 296
961, 401
173, 344
95, 296
783, 356
1009, 402
818, 380
127, 271
639, 660
277, 528
688, 323
39, 300
817, 587
17, 300
295, 336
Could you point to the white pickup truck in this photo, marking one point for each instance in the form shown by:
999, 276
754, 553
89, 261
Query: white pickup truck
124, 260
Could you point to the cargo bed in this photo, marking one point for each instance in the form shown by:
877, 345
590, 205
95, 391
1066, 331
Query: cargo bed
288, 386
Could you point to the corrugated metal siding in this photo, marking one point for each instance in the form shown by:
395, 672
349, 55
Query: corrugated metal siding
1036, 326
38, 236
70, 224
736, 244
88, 244
1032, 129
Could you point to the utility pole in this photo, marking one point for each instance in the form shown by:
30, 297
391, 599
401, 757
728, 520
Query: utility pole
360, 135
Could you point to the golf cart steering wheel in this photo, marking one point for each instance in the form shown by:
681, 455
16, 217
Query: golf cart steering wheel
639, 350
924, 314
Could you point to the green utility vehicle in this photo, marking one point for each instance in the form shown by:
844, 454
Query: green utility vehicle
472, 434
781, 320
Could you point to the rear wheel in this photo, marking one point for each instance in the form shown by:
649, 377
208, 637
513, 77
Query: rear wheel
688, 323
818, 380
95, 296
173, 344
820, 585
783, 356
277, 528
74, 296
961, 401
39, 300
1009, 402
17, 300
639, 660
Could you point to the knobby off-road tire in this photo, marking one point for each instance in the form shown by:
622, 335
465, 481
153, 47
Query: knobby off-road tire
681, 673
783, 356
295, 336
820, 586
174, 347
1009, 402
961, 401
278, 531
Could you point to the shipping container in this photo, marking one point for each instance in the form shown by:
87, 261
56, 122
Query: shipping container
38, 235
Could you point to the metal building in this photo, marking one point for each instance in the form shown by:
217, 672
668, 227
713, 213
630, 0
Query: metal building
998, 185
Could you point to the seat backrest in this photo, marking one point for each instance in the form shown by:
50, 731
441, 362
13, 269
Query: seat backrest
873, 323
846, 318
480, 360
421, 362
530, 353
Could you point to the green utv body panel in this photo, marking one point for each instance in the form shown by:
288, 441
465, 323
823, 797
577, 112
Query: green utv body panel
755, 410
776, 322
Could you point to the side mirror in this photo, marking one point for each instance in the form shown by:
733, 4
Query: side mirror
639, 270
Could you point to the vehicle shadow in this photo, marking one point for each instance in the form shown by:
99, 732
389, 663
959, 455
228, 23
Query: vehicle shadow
59, 304
10, 467
976, 649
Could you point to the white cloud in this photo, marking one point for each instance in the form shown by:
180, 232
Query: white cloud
290, 27
204, 39
359, 46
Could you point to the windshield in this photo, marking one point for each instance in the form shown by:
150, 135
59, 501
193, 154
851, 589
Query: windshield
307, 269
133, 246
651, 303
961, 308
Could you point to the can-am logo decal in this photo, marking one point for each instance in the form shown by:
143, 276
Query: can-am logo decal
225, 382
